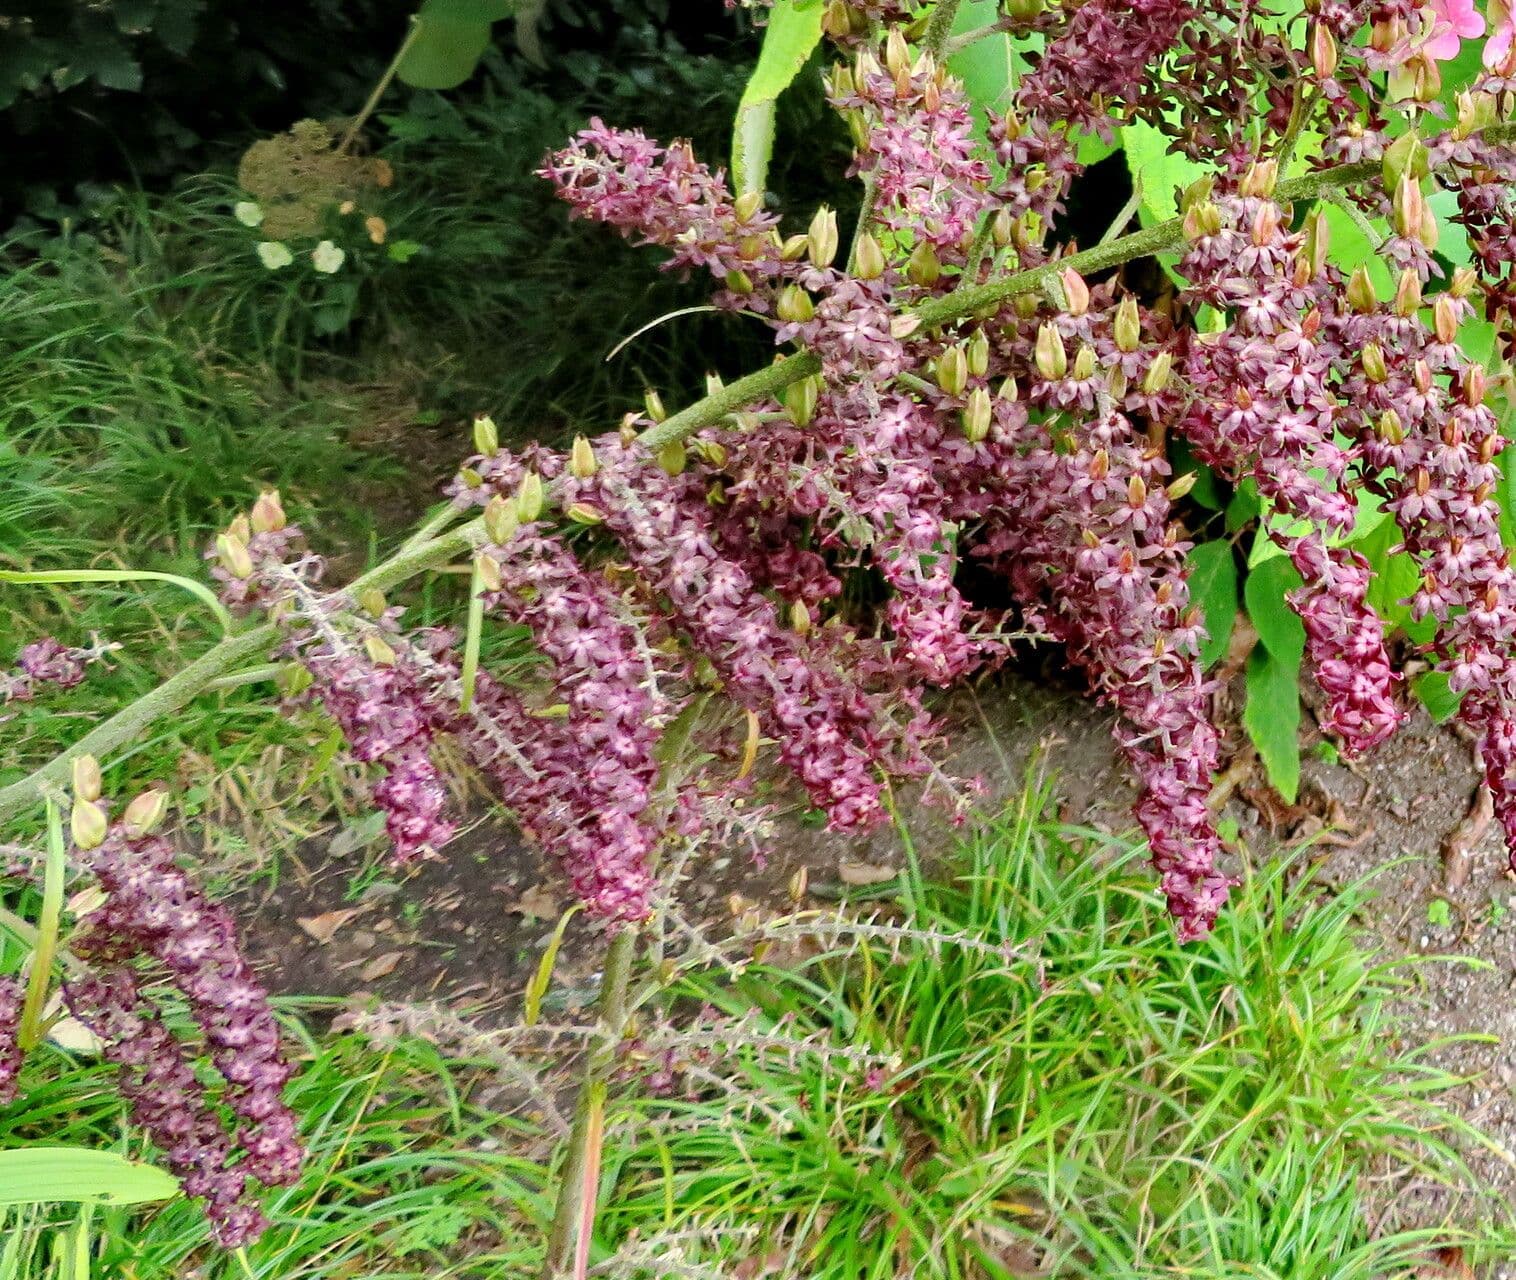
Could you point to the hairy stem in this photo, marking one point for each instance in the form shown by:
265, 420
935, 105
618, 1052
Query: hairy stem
416, 557
574, 1214
939, 27
184, 686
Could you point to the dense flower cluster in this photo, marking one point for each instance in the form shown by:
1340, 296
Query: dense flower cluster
48, 662
1030, 438
154, 915
12, 994
1265, 407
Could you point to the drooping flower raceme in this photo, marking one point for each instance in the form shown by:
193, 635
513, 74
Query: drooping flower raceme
156, 922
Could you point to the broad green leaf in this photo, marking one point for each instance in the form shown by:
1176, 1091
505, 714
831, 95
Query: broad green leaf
1213, 587
1161, 172
1452, 239
1272, 714
445, 48
76, 1175
792, 34
1370, 515
1395, 576
1243, 506
1272, 718
1348, 247
1440, 701
469, 10
991, 68
1279, 630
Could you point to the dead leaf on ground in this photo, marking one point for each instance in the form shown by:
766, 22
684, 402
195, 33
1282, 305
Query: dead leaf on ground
536, 903
1458, 844
323, 928
381, 966
1447, 1263
864, 873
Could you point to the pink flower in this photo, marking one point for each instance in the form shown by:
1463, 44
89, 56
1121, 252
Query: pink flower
1497, 49
1453, 21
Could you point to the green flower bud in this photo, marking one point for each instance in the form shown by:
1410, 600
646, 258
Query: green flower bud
86, 778
1372, 359
979, 353
1157, 377
1128, 325
800, 401
87, 824
977, 415
530, 498
488, 569
1075, 292
583, 513
711, 452
823, 237
1408, 294
952, 371
1406, 157
268, 513
500, 520
672, 458
233, 556
582, 461
1084, 362
794, 248
795, 305
145, 812
923, 267
869, 264
486, 435
1360, 291
653, 404
378, 650
1051, 358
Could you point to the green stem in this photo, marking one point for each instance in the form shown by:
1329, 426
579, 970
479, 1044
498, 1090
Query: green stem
185, 685
45, 948
252, 675
472, 637
573, 1216
388, 78
939, 27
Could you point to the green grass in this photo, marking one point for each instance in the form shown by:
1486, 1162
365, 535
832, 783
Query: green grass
1017, 1067
408, 1176
1065, 1084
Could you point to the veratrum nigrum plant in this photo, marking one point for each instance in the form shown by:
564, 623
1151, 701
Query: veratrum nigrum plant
955, 384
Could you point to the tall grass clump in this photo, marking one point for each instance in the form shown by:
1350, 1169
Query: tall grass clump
1058, 1088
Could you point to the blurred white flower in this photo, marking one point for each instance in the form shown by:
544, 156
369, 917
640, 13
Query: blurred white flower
326, 257
248, 212
274, 255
